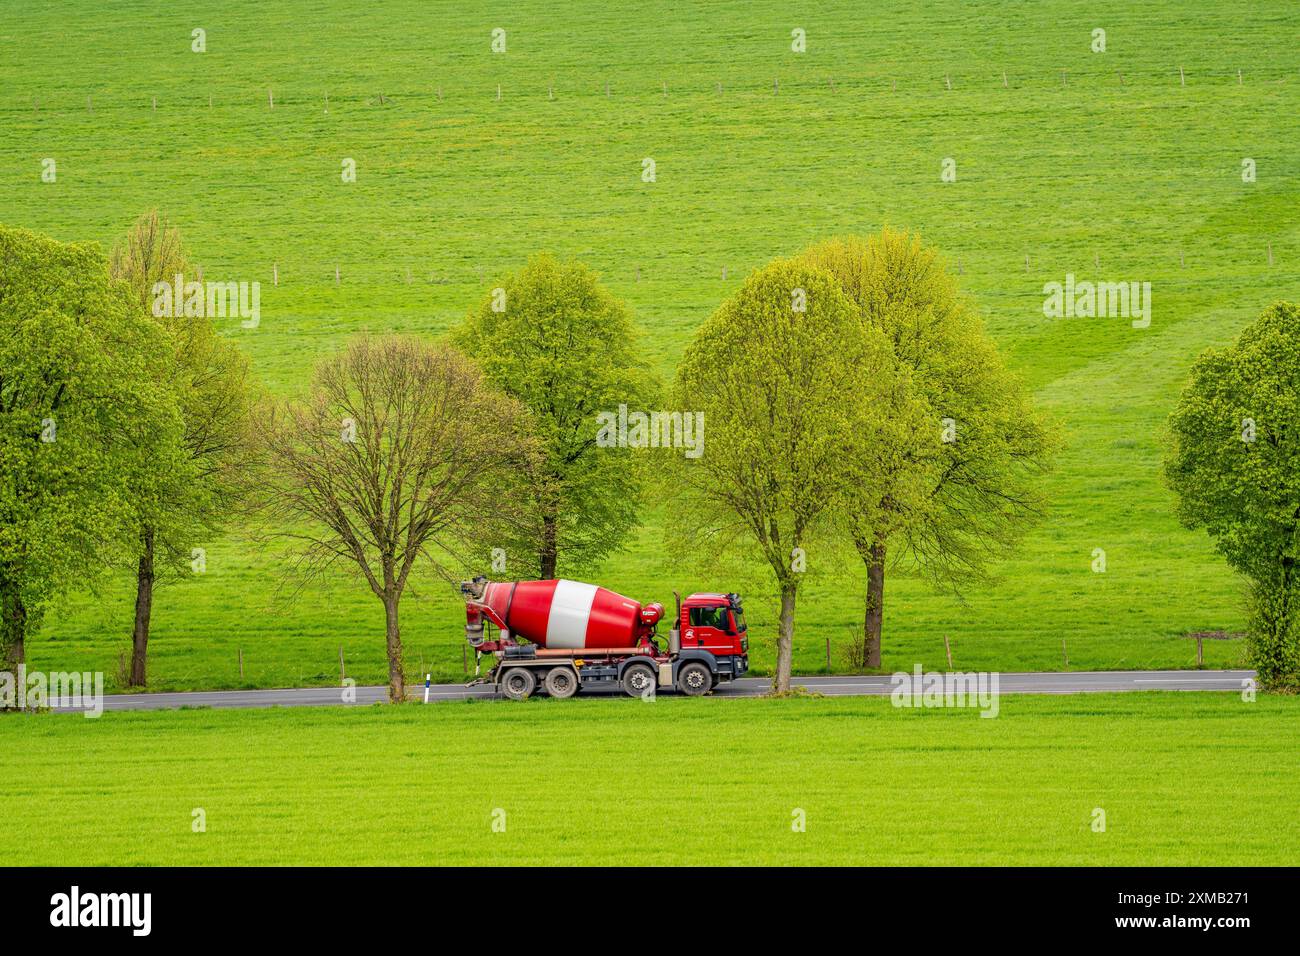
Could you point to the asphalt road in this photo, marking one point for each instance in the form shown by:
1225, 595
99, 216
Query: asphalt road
1067, 682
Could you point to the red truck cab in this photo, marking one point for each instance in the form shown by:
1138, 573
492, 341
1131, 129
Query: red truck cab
714, 623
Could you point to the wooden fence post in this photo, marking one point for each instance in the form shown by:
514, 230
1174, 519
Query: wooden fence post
948, 650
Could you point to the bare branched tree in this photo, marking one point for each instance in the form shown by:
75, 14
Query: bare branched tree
401, 451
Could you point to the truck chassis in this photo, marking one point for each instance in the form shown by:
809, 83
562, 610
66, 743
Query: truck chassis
520, 672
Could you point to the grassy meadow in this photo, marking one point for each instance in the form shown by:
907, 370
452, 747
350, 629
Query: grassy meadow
1110, 166
1183, 779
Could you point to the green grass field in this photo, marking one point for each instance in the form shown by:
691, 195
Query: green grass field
1183, 779
1107, 165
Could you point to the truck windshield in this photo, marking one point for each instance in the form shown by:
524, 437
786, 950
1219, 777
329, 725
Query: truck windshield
740, 620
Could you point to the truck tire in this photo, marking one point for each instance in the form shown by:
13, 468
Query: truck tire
694, 679
518, 683
561, 682
637, 678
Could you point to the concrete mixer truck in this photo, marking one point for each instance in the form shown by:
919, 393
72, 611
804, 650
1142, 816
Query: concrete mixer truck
562, 636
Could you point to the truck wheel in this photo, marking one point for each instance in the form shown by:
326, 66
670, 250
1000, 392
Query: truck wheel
637, 679
561, 682
694, 679
518, 683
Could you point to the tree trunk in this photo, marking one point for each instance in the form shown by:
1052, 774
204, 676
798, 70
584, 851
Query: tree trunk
396, 678
143, 611
1273, 635
785, 639
13, 629
549, 555
875, 605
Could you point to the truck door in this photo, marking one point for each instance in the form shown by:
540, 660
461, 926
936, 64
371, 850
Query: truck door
707, 629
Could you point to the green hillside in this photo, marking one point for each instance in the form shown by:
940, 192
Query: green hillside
1106, 165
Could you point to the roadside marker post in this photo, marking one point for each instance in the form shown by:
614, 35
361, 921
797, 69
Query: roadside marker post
948, 650
426, 687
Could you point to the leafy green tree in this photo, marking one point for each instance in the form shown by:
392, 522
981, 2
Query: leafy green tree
1234, 463
88, 428
212, 378
552, 337
788, 381
957, 488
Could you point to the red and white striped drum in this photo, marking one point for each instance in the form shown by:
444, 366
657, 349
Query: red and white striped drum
568, 614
